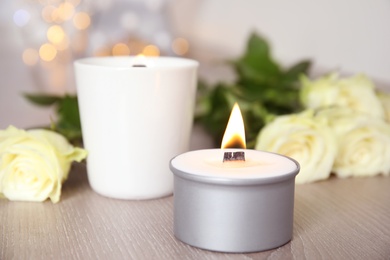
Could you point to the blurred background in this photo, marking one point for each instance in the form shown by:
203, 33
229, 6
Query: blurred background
41, 39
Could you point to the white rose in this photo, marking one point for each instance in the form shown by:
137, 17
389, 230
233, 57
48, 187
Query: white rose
34, 164
363, 142
356, 93
384, 98
304, 138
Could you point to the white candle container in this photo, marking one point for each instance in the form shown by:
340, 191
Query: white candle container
236, 206
134, 120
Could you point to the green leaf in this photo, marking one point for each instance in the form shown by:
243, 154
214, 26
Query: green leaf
203, 104
42, 100
297, 70
69, 118
68, 111
257, 64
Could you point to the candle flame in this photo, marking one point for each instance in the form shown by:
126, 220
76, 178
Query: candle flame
234, 136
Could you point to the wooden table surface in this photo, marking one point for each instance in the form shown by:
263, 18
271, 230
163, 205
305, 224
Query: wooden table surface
334, 219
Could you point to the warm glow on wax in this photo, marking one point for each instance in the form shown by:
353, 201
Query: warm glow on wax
234, 136
139, 61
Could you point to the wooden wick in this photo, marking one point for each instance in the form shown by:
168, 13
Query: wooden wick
233, 156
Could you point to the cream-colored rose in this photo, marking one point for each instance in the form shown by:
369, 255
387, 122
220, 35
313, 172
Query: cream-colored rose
356, 93
34, 164
363, 142
385, 100
304, 138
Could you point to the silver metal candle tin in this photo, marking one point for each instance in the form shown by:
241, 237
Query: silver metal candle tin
233, 215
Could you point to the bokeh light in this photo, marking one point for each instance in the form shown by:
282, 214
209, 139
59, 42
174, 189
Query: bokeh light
47, 13
102, 52
120, 49
151, 50
55, 34
21, 17
63, 45
47, 52
180, 46
136, 45
81, 20
64, 12
30, 57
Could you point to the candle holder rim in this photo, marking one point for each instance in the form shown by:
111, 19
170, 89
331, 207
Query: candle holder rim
233, 181
236, 181
89, 62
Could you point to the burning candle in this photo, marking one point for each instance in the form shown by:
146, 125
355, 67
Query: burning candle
234, 199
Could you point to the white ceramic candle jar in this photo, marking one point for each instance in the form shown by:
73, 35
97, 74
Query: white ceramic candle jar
136, 114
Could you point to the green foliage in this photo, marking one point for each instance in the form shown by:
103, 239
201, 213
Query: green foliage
68, 122
263, 89
42, 100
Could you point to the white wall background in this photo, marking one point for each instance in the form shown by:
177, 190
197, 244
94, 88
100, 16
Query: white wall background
350, 36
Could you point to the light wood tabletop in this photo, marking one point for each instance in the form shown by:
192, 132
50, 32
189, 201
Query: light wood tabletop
333, 219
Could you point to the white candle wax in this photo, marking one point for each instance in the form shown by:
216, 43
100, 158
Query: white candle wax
257, 164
